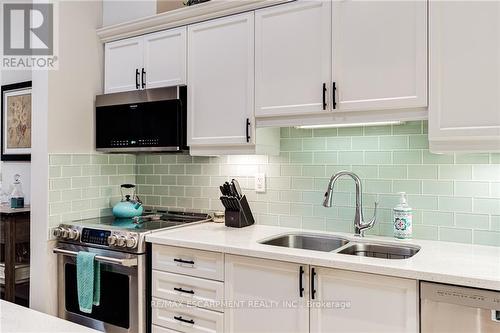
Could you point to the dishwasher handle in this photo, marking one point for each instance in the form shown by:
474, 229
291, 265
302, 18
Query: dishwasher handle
127, 262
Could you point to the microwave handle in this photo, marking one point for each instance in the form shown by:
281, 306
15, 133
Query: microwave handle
131, 262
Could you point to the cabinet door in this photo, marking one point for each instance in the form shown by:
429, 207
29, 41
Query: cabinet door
221, 81
122, 65
292, 58
358, 302
464, 110
379, 54
165, 58
266, 282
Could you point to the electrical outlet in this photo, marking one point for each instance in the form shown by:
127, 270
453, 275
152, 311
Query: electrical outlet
260, 182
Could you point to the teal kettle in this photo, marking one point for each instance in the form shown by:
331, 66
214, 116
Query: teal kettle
130, 206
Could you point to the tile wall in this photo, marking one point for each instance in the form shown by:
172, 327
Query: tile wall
86, 185
455, 197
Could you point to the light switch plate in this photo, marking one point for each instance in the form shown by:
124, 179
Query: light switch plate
260, 182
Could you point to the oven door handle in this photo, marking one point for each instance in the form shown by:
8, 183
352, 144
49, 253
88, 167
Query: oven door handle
131, 262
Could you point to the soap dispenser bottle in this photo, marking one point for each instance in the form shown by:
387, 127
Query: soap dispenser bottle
17, 195
403, 216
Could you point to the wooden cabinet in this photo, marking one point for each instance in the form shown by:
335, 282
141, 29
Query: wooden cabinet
262, 295
185, 296
221, 87
123, 65
165, 58
372, 56
464, 108
221, 81
266, 282
292, 58
379, 54
359, 302
155, 60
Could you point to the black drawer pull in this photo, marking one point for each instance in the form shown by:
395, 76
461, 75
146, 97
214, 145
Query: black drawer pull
143, 78
334, 89
313, 290
301, 287
248, 129
324, 96
137, 86
184, 291
182, 261
190, 321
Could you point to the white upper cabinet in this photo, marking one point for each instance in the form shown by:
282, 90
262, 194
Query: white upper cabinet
379, 54
266, 282
371, 56
123, 64
366, 303
165, 58
292, 58
221, 82
153, 61
464, 108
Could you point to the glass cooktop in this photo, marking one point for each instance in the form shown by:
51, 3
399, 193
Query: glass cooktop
147, 222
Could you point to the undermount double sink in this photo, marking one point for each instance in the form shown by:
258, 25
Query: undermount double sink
326, 243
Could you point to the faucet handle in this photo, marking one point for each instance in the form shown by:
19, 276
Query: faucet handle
375, 210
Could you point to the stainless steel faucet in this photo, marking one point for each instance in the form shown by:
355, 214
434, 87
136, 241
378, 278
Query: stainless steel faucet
359, 224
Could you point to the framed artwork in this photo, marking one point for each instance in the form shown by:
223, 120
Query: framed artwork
16, 122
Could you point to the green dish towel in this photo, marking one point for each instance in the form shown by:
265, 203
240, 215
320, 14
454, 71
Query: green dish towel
88, 280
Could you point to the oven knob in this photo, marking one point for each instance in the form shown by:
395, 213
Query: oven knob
112, 240
73, 234
58, 232
64, 233
131, 242
120, 241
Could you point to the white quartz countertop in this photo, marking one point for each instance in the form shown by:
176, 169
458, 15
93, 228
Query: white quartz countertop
459, 264
18, 319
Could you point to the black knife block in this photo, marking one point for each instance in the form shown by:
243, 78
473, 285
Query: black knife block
241, 217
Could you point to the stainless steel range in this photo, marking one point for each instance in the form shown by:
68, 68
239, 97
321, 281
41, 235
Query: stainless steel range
121, 249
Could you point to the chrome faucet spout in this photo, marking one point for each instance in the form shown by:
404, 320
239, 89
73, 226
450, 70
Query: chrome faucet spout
359, 224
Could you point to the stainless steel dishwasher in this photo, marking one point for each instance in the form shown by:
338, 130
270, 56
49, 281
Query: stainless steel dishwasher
447, 308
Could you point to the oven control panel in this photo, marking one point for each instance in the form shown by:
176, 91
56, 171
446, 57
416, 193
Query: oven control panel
117, 239
95, 236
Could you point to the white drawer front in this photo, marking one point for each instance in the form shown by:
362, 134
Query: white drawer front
189, 290
158, 329
204, 264
190, 319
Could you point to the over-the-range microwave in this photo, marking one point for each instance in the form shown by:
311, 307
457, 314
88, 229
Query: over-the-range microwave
144, 120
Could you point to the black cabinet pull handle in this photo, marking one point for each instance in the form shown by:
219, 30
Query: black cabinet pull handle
324, 96
137, 86
184, 291
301, 287
182, 261
334, 89
313, 290
190, 321
143, 78
248, 129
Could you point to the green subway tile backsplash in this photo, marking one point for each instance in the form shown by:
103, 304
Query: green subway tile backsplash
86, 185
455, 197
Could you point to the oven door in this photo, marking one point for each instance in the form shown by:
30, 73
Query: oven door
122, 304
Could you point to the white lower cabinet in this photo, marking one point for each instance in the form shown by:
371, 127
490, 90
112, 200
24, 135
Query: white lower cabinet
262, 295
186, 287
185, 318
268, 291
360, 302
